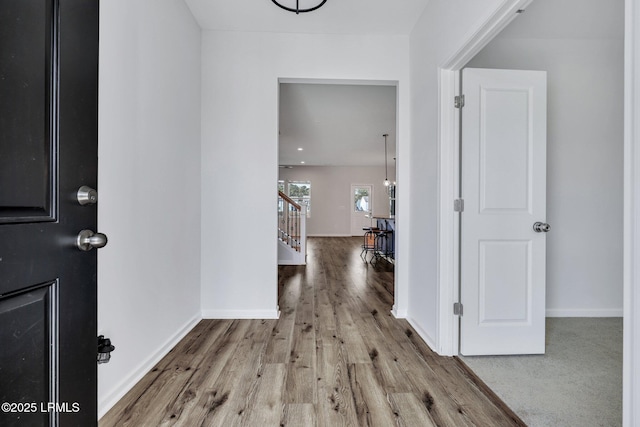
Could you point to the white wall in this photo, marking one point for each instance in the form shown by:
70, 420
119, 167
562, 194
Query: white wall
240, 73
134, 88
149, 148
584, 161
440, 32
331, 198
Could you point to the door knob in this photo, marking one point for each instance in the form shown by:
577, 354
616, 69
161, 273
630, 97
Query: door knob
88, 240
541, 227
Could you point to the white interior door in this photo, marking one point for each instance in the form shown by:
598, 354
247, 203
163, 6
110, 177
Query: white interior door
504, 191
361, 208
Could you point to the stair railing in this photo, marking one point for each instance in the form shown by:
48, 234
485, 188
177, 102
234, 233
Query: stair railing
291, 222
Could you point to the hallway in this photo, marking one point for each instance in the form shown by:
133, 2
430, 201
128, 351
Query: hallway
335, 356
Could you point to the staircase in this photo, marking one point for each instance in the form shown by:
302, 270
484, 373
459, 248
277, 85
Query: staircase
292, 233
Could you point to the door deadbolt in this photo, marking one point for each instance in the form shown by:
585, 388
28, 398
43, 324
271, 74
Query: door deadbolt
541, 227
87, 196
88, 240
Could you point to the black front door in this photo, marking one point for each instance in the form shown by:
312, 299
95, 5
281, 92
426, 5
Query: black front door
48, 150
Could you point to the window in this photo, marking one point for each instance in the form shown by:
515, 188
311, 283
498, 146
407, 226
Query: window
361, 199
300, 192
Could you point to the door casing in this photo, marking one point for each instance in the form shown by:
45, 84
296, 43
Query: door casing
449, 185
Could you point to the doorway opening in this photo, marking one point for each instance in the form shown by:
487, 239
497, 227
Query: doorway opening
330, 135
584, 169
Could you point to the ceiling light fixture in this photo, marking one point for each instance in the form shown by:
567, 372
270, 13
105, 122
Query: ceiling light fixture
386, 175
288, 5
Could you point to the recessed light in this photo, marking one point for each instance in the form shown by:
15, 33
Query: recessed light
300, 148
302, 162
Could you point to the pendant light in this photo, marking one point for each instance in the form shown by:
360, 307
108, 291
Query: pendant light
386, 175
315, 4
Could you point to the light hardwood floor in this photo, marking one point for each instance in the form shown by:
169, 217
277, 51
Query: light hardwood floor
335, 357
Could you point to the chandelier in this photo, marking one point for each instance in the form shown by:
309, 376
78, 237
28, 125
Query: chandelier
294, 5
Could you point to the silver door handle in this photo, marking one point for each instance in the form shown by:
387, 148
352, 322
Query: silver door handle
541, 227
88, 240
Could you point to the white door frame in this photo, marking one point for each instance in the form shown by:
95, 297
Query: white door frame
448, 136
449, 172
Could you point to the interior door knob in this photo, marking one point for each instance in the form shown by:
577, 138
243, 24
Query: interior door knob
541, 227
88, 240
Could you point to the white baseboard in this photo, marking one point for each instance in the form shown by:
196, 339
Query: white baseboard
240, 314
603, 312
290, 262
422, 334
398, 314
107, 402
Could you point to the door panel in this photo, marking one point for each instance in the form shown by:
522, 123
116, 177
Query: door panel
48, 149
28, 343
505, 274
28, 164
361, 208
504, 189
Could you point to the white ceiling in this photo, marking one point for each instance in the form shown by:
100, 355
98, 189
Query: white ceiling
336, 125
335, 17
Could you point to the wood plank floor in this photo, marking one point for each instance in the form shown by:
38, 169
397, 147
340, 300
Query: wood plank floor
335, 357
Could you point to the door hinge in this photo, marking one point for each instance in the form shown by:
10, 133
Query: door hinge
457, 308
458, 101
458, 205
